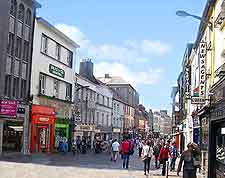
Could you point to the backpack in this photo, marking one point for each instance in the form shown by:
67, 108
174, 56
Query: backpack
156, 151
126, 147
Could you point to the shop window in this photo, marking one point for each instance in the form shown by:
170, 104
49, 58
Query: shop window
18, 47
21, 12
56, 88
10, 46
7, 85
220, 145
26, 51
44, 43
13, 8
28, 17
15, 87
42, 84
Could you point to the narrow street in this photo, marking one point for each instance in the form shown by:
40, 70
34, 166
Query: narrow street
69, 166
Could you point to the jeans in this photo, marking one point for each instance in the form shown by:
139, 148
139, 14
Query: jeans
126, 158
164, 166
189, 173
147, 164
156, 161
140, 151
172, 164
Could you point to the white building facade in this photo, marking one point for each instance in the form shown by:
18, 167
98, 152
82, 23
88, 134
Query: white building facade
52, 81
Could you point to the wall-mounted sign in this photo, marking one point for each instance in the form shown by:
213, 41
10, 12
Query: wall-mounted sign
187, 82
197, 100
202, 58
8, 107
44, 119
56, 71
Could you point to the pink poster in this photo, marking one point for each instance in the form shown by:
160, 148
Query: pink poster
8, 107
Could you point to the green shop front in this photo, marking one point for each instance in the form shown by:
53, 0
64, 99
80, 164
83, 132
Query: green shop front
62, 132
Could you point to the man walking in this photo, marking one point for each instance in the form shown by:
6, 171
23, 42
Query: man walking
156, 154
115, 150
125, 149
174, 155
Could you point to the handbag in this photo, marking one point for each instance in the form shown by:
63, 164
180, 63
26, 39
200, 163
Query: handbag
196, 162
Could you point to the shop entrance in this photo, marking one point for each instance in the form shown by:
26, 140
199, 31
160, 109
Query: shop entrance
42, 138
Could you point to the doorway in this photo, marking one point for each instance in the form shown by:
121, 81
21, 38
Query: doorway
42, 138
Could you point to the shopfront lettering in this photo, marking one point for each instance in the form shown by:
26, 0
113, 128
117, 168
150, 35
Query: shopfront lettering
43, 119
187, 81
56, 71
202, 57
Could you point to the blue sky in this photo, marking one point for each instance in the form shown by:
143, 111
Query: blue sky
143, 41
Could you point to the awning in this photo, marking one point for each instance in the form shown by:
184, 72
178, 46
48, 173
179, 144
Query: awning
17, 128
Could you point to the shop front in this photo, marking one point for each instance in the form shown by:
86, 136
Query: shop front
42, 129
62, 132
14, 126
116, 134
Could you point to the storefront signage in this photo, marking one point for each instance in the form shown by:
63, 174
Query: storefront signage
202, 58
8, 107
187, 82
116, 130
43, 119
197, 100
56, 71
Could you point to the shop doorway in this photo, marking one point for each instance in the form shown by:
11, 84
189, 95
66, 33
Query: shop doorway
42, 138
12, 136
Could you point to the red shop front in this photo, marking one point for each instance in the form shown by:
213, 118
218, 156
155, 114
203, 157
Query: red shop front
42, 129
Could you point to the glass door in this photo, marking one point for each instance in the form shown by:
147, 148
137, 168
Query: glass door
42, 138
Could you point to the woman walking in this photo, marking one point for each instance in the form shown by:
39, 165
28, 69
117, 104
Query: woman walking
164, 156
191, 159
147, 153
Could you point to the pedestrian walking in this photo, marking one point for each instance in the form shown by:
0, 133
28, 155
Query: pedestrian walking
164, 156
125, 149
78, 142
84, 146
174, 155
191, 159
147, 153
115, 150
156, 155
140, 146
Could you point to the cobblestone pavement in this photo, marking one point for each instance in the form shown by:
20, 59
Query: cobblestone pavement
69, 166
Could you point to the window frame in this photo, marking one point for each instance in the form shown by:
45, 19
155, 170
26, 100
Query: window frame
42, 84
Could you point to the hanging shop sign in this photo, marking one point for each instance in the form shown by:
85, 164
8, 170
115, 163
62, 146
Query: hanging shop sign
56, 71
187, 82
8, 107
202, 58
197, 100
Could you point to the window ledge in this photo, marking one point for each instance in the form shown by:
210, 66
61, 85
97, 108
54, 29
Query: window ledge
54, 98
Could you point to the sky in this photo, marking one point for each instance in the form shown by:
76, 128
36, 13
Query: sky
143, 41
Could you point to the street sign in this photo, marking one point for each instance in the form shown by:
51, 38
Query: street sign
197, 100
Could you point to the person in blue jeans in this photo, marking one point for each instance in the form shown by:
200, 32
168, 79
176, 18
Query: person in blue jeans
174, 155
125, 151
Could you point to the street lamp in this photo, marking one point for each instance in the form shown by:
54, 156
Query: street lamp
182, 13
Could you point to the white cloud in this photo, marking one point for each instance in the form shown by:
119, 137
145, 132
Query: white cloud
149, 77
126, 52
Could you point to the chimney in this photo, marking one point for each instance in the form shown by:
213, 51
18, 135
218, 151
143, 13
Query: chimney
107, 76
86, 69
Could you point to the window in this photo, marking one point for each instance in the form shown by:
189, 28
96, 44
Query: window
7, 85
68, 92
103, 100
97, 98
56, 88
69, 58
42, 84
118, 109
23, 88
26, 51
107, 120
8, 67
24, 70
13, 8
108, 102
103, 118
16, 87
58, 51
44, 44
27, 33
10, 46
114, 108
19, 29
97, 118
28, 17
18, 47
21, 12
11, 24
16, 68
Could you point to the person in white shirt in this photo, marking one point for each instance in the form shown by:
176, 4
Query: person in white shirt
115, 149
147, 153
140, 146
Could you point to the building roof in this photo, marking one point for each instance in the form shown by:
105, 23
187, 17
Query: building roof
58, 32
113, 80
